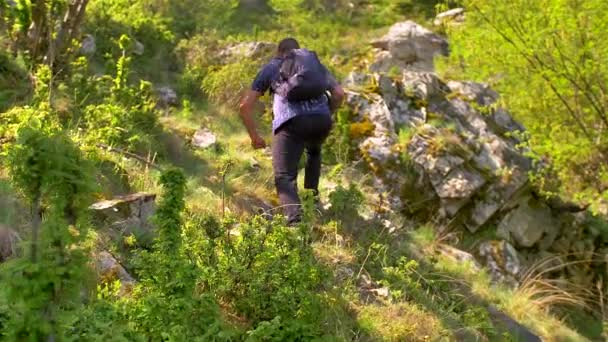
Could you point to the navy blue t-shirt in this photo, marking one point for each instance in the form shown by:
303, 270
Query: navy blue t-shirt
268, 79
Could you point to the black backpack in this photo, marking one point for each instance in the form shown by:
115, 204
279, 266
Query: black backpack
303, 77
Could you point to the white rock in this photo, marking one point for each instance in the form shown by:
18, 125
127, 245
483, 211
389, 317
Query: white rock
413, 45
473, 91
455, 15
88, 46
502, 260
204, 138
138, 48
527, 223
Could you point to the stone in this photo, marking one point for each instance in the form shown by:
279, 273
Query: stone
437, 166
502, 122
385, 62
527, 223
382, 292
423, 85
247, 50
357, 81
452, 16
402, 113
412, 45
459, 256
460, 183
109, 270
9, 243
473, 91
502, 261
167, 97
378, 149
483, 209
88, 46
203, 138
138, 48
127, 215
254, 164
461, 111
372, 107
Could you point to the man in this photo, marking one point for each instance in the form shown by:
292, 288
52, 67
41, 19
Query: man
297, 126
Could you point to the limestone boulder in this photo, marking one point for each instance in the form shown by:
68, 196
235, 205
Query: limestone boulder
502, 261
527, 223
411, 45
423, 85
127, 215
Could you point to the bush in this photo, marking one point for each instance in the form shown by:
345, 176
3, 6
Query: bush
265, 272
545, 58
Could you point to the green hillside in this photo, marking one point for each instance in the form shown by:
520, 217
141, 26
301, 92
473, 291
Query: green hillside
133, 207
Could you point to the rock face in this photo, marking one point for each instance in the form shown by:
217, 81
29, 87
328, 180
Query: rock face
447, 149
127, 215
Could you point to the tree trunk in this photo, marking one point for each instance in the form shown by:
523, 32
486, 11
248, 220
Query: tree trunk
37, 33
69, 29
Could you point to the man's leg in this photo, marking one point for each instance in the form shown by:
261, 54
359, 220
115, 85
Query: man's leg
320, 126
313, 168
287, 149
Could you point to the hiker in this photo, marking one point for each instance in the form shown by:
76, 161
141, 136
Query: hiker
305, 95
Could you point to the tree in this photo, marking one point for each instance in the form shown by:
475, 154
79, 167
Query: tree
546, 58
43, 28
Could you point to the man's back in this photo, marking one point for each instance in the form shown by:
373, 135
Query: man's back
269, 79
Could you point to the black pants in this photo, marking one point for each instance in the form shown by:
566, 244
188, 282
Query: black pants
305, 132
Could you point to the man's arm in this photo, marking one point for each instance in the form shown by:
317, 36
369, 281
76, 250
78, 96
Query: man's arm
246, 110
337, 94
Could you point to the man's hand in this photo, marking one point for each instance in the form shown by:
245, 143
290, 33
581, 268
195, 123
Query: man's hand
257, 142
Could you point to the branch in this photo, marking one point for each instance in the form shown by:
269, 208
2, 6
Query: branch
531, 61
130, 155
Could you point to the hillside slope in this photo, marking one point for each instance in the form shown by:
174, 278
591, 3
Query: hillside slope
146, 215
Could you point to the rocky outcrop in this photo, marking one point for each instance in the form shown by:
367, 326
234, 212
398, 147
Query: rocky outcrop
446, 147
126, 216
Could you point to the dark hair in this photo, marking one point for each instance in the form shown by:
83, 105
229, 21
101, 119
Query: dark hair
287, 45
